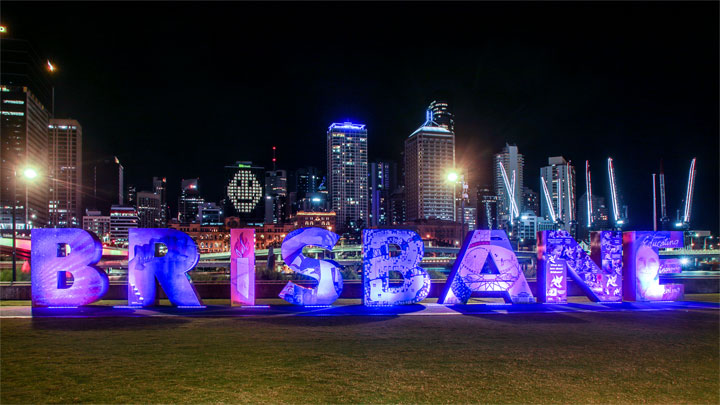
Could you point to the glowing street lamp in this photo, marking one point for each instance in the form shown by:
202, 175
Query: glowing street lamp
29, 174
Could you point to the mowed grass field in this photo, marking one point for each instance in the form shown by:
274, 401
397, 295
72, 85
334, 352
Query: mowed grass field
621, 357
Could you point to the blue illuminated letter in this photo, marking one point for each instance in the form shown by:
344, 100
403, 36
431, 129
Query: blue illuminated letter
167, 254
504, 277
379, 260
57, 253
598, 274
326, 272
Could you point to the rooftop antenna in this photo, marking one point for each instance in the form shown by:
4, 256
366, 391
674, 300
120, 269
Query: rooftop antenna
654, 204
663, 207
274, 160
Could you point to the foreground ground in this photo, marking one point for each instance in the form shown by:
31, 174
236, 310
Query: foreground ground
610, 357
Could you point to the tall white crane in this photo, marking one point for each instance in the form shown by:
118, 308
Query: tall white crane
548, 200
689, 193
510, 191
613, 192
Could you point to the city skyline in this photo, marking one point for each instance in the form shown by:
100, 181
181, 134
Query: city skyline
540, 108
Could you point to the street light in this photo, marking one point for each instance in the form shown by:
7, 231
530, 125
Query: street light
28, 173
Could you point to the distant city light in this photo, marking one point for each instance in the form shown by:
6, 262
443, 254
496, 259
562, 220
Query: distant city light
452, 176
50, 66
684, 261
3, 29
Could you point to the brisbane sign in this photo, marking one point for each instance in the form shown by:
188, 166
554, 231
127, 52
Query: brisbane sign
620, 266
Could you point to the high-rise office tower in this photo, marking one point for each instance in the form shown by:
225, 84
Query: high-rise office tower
65, 173
347, 168
530, 201
210, 213
381, 185
487, 208
160, 188
600, 216
94, 221
108, 186
559, 177
24, 115
189, 201
148, 209
513, 162
429, 156
244, 192
276, 193
122, 219
442, 115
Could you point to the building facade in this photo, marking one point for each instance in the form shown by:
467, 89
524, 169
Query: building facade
108, 185
244, 192
442, 115
65, 173
513, 162
347, 168
189, 201
487, 208
429, 156
276, 196
94, 221
381, 185
122, 219
160, 188
559, 177
149, 209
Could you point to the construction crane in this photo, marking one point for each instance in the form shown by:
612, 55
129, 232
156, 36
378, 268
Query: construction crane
514, 212
663, 207
588, 193
548, 200
689, 195
613, 194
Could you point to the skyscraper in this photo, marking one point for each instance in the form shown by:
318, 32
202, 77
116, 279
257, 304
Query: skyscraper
487, 207
559, 177
160, 188
513, 162
347, 168
429, 156
530, 201
381, 185
442, 115
244, 192
148, 209
108, 187
276, 193
24, 114
122, 219
189, 201
65, 172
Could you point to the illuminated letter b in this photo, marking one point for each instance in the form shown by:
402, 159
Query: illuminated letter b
57, 253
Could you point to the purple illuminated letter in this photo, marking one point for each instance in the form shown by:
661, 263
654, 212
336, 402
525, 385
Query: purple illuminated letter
242, 267
379, 260
599, 274
643, 266
326, 272
502, 278
55, 253
167, 254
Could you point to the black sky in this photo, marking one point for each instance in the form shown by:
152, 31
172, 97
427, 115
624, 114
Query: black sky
181, 89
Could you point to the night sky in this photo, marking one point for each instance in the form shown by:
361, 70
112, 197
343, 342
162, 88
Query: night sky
182, 89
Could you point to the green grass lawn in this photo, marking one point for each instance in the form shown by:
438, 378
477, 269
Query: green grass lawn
620, 357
